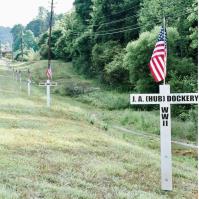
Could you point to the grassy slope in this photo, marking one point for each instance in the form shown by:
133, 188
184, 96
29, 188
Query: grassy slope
57, 153
105, 105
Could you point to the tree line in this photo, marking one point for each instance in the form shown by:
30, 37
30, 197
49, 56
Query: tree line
113, 40
28, 37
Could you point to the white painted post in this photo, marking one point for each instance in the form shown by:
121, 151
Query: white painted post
48, 92
29, 87
48, 84
16, 76
165, 141
164, 99
20, 81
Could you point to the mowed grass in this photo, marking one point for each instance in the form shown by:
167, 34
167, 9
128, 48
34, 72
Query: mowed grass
58, 153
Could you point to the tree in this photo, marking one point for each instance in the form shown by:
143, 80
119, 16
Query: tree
36, 26
23, 39
115, 16
102, 54
17, 31
42, 13
175, 12
116, 74
29, 40
43, 43
83, 10
82, 49
193, 32
69, 27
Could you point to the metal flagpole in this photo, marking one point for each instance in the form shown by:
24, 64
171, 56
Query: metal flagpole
165, 67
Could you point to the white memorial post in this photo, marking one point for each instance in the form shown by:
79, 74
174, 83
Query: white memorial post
164, 99
20, 80
48, 84
48, 92
16, 75
29, 87
13, 74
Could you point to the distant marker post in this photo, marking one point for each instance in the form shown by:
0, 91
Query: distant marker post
29, 87
48, 85
20, 79
48, 92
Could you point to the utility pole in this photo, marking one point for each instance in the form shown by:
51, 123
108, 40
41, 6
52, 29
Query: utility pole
50, 33
48, 83
21, 44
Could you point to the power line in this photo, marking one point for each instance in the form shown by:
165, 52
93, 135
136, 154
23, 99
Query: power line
123, 19
110, 33
155, 20
126, 29
122, 27
116, 29
135, 28
116, 21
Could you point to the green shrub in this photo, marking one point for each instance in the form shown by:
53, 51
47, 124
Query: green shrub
106, 99
116, 74
103, 54
82, 53
32, 55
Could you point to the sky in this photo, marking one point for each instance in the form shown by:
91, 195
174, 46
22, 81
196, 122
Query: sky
23, 11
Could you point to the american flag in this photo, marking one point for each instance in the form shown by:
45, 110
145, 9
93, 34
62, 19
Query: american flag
158, 60
49, 72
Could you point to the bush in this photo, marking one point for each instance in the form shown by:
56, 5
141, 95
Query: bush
82, 53
116, 74
103, 54
63, 47
106, 100
32, 55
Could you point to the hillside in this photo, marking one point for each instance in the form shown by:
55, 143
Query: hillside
104, 103
63, 152
5, 35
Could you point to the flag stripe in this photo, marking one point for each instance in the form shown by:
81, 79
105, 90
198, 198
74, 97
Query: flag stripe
154, 71
159, 68
157, 63
49, 72
159, 48
160, 42
158, 53
162, 62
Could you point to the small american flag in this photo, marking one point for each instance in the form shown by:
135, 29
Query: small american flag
158, 60
49, 72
